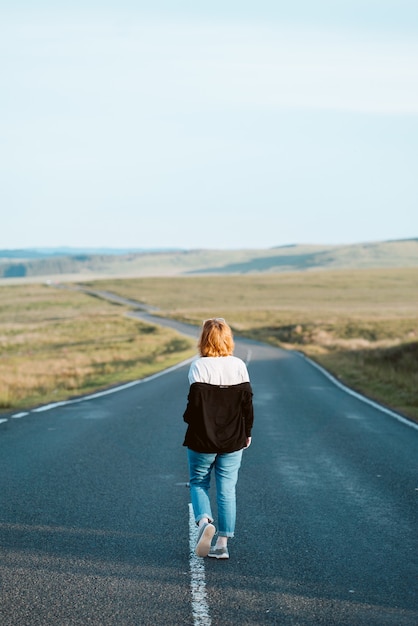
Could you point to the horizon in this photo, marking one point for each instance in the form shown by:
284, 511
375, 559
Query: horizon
140, 250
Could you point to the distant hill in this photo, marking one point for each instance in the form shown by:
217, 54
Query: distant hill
82, 264
43, 253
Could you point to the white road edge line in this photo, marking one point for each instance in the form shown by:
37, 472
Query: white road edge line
200, 607
107, 392
364, 399
99, 394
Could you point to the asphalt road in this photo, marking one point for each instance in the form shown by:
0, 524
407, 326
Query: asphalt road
94, 511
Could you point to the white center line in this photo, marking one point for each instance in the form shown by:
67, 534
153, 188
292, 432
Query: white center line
200, 607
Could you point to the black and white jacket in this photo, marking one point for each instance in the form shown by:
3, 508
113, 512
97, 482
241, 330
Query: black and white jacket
219, 417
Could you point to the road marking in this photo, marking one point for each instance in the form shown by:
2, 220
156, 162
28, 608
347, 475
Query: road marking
3, 420
19, 415
364, 399
105, 392
47, 407
200, 607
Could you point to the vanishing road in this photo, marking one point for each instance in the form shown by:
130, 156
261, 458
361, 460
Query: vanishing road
94, 509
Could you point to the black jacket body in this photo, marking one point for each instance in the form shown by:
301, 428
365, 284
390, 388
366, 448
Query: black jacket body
219, 417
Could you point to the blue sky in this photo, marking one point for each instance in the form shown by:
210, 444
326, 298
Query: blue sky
208, 125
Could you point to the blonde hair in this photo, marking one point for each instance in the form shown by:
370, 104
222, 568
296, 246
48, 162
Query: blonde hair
216, 338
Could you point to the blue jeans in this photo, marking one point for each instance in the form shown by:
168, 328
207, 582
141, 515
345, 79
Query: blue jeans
226, 468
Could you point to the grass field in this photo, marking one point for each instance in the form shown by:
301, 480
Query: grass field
56, 343
362, 325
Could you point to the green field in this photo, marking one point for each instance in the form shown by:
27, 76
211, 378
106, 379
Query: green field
362, 325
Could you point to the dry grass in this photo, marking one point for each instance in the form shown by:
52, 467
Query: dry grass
387, 374
57, 343
362, 325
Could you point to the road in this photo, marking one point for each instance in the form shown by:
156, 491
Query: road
94, 509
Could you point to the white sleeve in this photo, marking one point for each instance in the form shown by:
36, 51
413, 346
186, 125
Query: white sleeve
194, 373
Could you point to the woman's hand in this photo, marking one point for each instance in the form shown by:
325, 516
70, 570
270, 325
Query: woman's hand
248, 443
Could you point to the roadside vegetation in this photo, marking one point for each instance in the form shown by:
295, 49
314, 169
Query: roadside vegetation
362, 325
57, 343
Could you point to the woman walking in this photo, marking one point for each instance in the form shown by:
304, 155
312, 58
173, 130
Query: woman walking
219, 415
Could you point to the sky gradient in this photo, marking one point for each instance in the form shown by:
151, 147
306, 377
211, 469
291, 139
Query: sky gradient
229, 125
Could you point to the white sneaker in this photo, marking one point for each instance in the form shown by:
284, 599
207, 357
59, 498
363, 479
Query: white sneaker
204, 539
219, 553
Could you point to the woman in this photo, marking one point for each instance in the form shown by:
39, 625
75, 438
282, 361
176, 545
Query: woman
219, 415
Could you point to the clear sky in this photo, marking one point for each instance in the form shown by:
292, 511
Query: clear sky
222, 124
